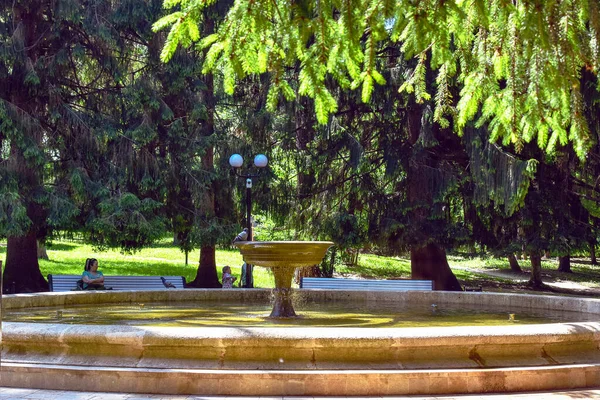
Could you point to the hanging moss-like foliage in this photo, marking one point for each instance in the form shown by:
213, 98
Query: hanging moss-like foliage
498, 177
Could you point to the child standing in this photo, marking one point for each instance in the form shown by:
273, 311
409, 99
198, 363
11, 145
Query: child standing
228, 279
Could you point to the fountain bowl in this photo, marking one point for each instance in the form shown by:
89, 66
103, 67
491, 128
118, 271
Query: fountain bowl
295, 254
283, 258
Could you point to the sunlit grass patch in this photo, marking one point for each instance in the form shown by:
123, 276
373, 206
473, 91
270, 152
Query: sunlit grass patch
164, 258
161, 259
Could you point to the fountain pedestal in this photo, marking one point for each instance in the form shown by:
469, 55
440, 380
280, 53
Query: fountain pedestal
282, 294
283, 258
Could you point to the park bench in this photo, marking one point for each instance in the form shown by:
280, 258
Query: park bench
365, 284
65, 283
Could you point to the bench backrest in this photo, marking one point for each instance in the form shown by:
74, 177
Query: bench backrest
365, 284
65, 283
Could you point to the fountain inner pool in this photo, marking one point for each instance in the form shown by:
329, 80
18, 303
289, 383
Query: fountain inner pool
333, 314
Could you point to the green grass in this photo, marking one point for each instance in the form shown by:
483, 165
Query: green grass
160, 259
372, 266
583, 271
67, 257
466, 269
377, 267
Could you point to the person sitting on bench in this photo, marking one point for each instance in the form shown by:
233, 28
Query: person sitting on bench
92, 278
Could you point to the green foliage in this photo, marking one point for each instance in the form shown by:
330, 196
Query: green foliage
498, 176
344, 230
592, 206
98, 135
126, 222
212, 231
520, 64
13, 215
62, 211
268, 230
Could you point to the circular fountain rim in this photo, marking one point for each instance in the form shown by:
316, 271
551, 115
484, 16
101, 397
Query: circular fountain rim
426, 336
585, 305
519, 358
286, 242
549, 302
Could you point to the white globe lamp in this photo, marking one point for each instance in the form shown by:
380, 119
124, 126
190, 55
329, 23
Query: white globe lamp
236, 161
260, 161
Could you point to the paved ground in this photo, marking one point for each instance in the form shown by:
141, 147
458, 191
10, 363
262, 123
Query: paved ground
31, 394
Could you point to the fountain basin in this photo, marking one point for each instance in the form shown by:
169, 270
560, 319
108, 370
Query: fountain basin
302, 361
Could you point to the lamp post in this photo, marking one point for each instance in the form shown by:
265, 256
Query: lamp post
260, 161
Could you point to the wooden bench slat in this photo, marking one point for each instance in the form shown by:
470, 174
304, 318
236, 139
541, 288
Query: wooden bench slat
365, 284
65, 283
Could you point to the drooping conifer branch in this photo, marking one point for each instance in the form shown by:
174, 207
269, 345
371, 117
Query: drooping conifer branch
520, 63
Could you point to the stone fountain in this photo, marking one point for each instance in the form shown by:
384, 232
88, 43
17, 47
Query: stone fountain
302, 360
283, 258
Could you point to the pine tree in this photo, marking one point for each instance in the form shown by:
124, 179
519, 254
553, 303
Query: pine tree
187, 146
70, 161
38, 101
519, 64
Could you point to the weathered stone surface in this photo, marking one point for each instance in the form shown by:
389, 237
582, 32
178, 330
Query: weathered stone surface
297, 383
303, 361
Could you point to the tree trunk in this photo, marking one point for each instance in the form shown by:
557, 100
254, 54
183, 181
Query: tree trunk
206, 276
305, 132
1, 273
514, 263
42, 254
593, 254
307, 272
22, 273
430, 262
536, 271
564, 263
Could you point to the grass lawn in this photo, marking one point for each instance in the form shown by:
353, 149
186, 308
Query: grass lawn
68, 257
160, 259
377, 267
583, 272
488, 272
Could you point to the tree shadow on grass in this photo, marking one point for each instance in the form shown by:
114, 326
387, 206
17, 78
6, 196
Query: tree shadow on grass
579, 274
162, 245
62, 246
58, 262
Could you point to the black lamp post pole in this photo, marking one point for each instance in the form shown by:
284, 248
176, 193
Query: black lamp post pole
237, 161
248, 212
249, 276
